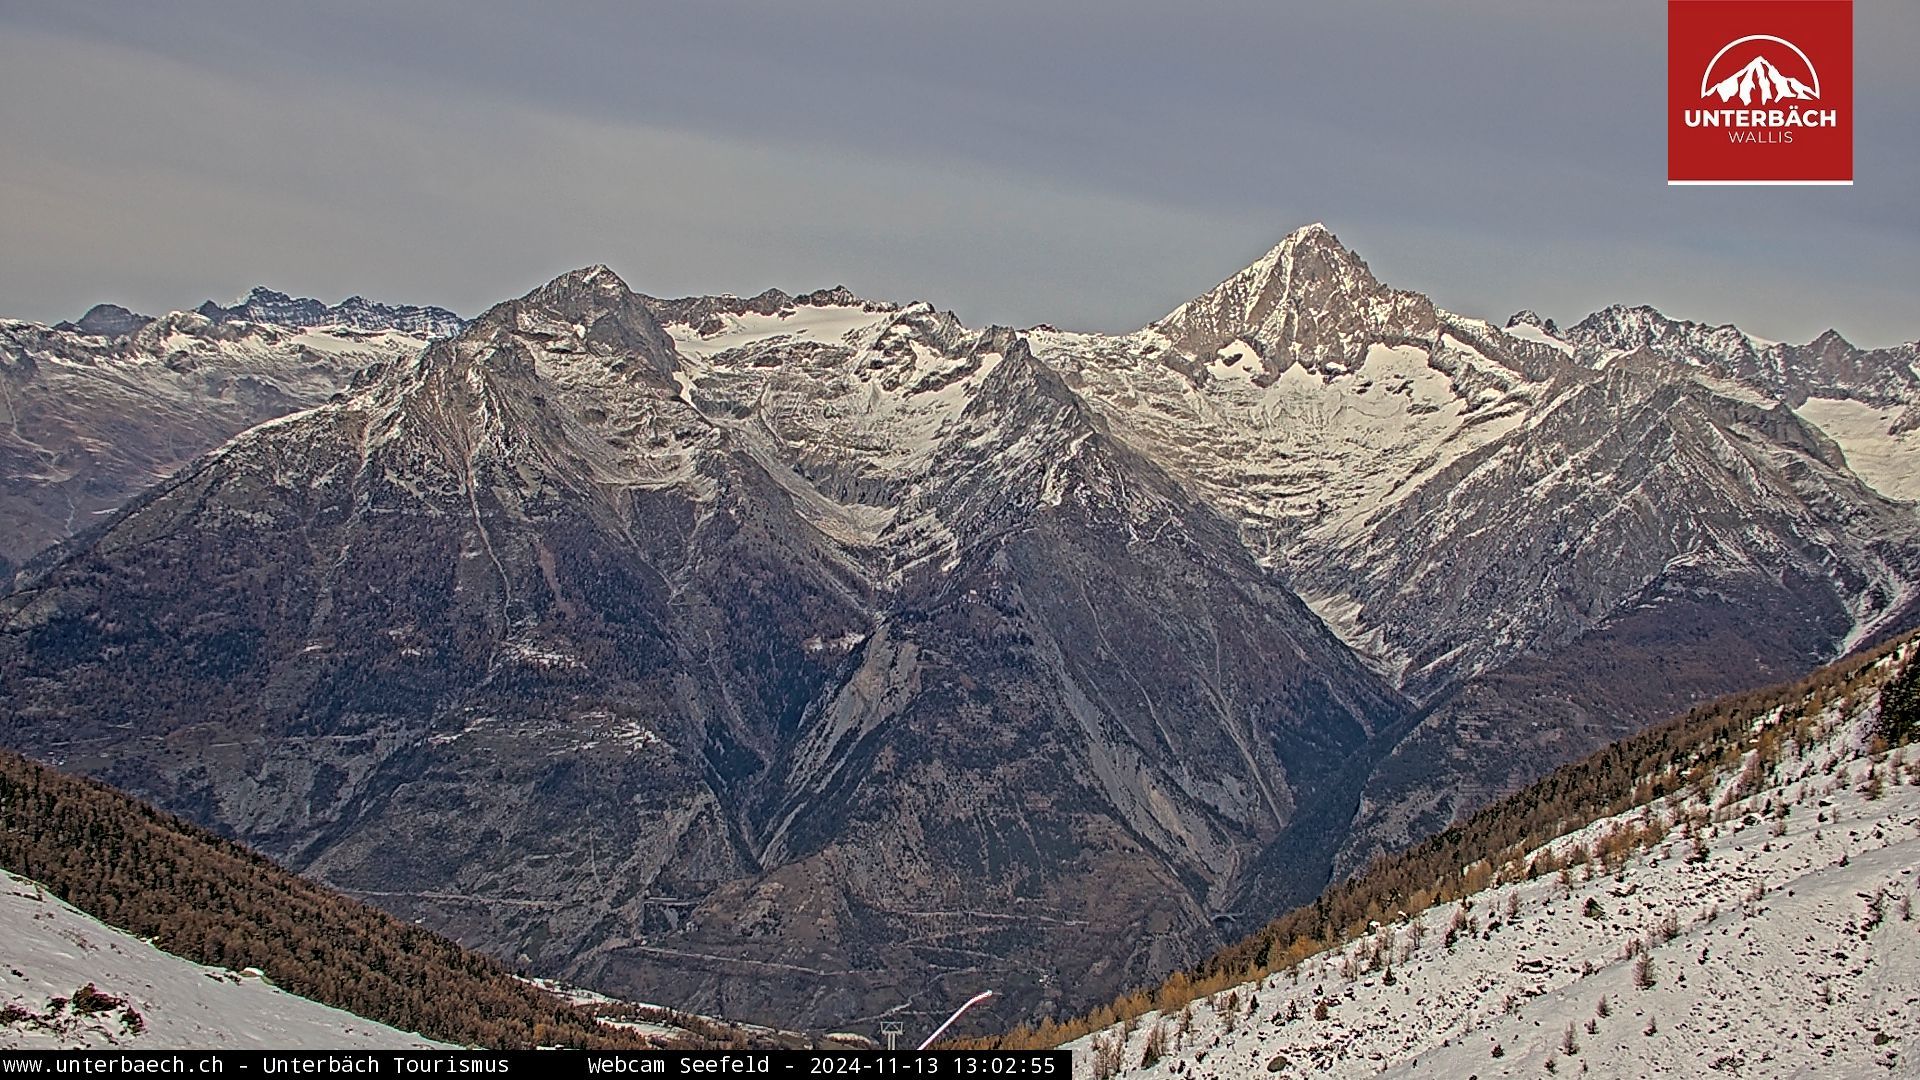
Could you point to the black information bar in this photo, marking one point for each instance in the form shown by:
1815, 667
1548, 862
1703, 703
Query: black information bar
841, 1064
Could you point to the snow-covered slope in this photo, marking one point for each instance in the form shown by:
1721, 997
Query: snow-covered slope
1769, 932
805, 554
1493, 515
1882, 444
50, 950
1351, 429
1867, 400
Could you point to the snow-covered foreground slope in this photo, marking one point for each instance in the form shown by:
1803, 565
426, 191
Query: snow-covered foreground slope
1770, 933
49, 950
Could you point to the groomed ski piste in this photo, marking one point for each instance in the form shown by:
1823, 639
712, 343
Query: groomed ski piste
1771, 933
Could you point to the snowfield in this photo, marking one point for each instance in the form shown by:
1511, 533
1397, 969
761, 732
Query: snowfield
1770, 934
50, 950
1877, 449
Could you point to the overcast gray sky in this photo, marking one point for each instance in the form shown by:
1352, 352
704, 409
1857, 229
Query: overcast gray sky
1086, 164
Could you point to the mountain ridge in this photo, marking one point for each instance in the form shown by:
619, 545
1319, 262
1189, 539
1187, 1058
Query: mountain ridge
93, 413
768, 594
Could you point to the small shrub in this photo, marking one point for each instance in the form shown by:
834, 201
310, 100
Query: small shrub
88, 1000
1106, 1056
1155, 1047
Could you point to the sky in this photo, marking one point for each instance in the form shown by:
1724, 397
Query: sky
1090, 165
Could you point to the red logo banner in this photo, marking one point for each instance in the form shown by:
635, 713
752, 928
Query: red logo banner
1760, 91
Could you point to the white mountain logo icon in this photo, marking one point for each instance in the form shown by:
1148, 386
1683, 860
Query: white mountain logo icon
1760, 81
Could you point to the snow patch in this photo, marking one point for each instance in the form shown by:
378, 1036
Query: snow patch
1889, 463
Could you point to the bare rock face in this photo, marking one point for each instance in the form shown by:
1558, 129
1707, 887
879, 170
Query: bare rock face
107, 320
264, 305
805, 658
1544, 539
833, 638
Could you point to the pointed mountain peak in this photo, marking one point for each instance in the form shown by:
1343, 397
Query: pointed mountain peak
1829, 341
1306, 242
1530, 317
577, 296
260, 294
1311, 233
584, 312
108, 320
597, 276
1307, 298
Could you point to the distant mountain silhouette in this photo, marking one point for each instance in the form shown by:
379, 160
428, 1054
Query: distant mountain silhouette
1761, 79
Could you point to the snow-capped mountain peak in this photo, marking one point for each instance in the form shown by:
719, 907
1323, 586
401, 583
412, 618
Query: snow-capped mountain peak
1307, 299
1530, 317
271, 307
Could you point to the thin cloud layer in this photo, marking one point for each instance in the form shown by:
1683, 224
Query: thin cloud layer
1087, 165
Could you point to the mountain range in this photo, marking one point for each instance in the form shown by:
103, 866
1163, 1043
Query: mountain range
812, 658
95, 411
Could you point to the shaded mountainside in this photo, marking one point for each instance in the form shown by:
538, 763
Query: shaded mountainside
213, 902
1738, 878
1546, 539
1756, 920
550, 638
93, 413
807, 658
